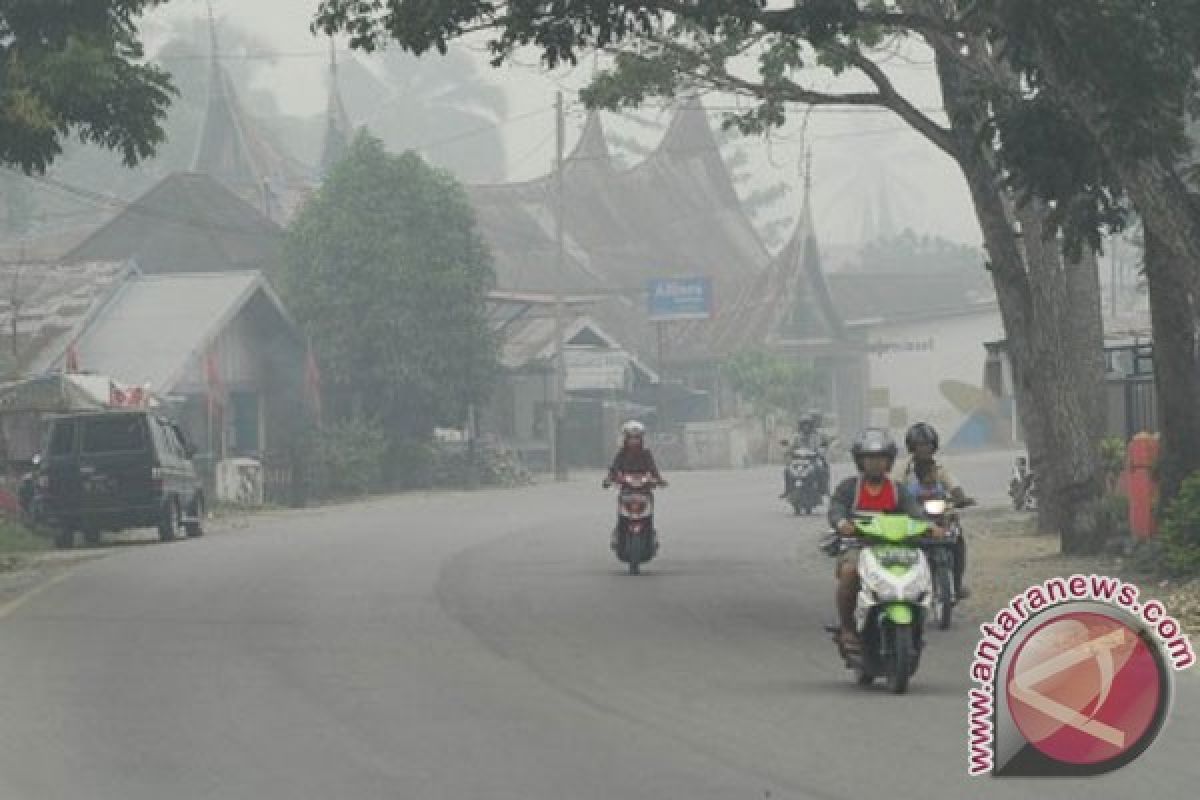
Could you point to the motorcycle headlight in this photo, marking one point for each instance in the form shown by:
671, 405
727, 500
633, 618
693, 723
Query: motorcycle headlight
935, 508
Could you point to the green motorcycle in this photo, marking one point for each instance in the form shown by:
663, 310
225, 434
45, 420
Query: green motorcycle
894, 597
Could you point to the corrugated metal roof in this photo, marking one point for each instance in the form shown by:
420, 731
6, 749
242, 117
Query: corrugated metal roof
52, 302
155, 324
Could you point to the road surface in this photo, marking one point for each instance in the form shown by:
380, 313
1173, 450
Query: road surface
487, 645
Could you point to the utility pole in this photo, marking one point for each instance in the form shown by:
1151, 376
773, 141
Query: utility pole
560, 464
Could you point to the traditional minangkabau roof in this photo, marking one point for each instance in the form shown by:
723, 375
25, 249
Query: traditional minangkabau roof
676, 214
338, 130
234, 149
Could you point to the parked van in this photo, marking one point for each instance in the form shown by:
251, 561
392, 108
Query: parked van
112, 471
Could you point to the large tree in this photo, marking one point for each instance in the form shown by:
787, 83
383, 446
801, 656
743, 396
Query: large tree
72, 68
1101, 118
386, 271
748, 48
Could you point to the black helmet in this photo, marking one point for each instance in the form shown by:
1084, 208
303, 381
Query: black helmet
921, 433
874, 442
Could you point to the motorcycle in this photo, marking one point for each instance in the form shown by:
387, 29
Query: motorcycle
1022, 486
896, 587
941, 511
804, 468
635, 540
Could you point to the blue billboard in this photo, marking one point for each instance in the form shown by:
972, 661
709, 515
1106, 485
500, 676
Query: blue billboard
679, 298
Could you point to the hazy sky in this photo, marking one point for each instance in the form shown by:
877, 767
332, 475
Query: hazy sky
859, 155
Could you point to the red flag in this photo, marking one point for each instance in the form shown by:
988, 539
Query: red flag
312, 382
212, 376
72, 366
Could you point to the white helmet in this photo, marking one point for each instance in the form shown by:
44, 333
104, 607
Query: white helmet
633, 428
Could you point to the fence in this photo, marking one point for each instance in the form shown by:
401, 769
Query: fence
1132, 406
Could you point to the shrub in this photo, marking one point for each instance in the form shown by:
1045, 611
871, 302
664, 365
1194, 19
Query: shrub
347, 459
1181, 529
1112, 460
1112, 517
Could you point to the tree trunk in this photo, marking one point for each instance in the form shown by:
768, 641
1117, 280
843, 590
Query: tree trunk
1176, 365
1053, 319
1068, 333
1172, 220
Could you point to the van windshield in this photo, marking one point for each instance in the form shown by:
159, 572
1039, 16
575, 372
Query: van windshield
114, 435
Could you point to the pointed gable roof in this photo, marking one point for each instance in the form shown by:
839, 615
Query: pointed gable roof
790, 302
234, 149
338, 130
187, 222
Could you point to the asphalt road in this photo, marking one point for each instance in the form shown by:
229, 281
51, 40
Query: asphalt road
487, 645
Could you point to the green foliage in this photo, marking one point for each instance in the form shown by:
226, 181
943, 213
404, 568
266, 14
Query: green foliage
16, 538
1112, 458
1181, 529
1113, 518
346, 459
908, 253
73, 68
386, 272
774, 383
1132, 63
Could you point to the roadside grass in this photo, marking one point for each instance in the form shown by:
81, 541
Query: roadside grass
16, 538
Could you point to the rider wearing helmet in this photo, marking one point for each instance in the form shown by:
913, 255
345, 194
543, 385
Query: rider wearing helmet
808, 436
871, 490
633, 456
923, 471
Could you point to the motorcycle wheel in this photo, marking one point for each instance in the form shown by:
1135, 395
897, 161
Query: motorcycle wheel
633, 552
903, 651
943, 598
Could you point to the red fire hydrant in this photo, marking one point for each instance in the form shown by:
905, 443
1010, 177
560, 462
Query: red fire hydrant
1140, 485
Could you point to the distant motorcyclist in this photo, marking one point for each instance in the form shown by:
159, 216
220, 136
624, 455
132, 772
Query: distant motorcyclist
871, 490
633, 456
809, 436
923, 471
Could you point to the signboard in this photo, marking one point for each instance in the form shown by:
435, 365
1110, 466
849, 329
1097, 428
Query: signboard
591, 370
680, 298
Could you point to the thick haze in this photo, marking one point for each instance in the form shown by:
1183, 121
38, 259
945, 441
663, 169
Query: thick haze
860, 156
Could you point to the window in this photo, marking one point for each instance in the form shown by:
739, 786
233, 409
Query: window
120, 434
62, 441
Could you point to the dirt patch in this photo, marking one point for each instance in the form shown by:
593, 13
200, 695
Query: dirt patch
1005, 556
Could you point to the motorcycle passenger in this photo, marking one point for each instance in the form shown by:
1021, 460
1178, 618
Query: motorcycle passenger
872, 490
633, 457
923, 471
808, 436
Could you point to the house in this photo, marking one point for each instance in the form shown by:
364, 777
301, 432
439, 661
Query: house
605, 382
923, 336
674, 215
217, 350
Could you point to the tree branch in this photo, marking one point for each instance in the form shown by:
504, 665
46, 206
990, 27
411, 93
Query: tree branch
891, 99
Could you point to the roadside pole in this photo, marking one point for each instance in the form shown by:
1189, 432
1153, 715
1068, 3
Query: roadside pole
560, 464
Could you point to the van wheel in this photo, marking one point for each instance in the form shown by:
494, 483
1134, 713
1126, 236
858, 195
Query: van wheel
64, 538
195, 526
167, 524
